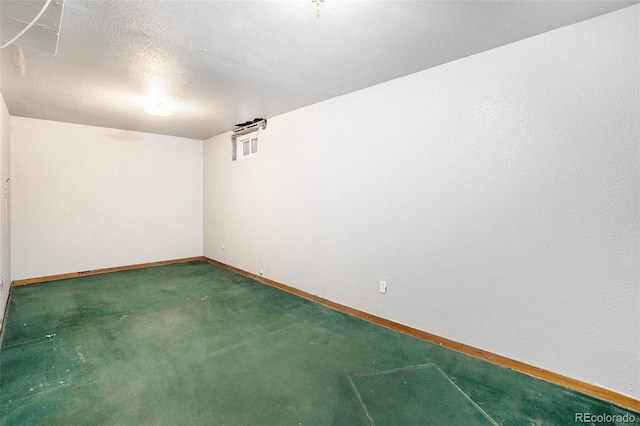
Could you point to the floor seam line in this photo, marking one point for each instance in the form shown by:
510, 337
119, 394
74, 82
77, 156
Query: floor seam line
364, 407
476, 406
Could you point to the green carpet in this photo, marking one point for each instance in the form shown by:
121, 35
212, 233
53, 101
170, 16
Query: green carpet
195, 344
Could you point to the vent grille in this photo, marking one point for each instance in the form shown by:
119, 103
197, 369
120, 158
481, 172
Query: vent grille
244, 140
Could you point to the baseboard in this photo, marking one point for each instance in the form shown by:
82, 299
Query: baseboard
540, 373
102, 271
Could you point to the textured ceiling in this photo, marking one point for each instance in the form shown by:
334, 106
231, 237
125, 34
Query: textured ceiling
225, 62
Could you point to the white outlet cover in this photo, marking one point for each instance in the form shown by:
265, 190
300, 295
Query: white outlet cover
383, 287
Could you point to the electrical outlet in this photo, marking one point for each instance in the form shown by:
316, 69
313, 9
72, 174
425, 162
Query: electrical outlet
260, 271
222, 246
383, 287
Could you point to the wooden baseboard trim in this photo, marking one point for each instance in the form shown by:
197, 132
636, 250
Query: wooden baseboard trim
103, 271
580, 386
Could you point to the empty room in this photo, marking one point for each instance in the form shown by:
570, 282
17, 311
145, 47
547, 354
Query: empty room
323, 212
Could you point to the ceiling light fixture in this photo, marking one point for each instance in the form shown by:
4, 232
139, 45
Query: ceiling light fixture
317, 2
159, 109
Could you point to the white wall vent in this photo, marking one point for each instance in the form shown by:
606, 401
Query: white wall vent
244, 140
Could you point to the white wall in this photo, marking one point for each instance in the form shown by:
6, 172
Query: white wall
498, 195
90, 197
5, 259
